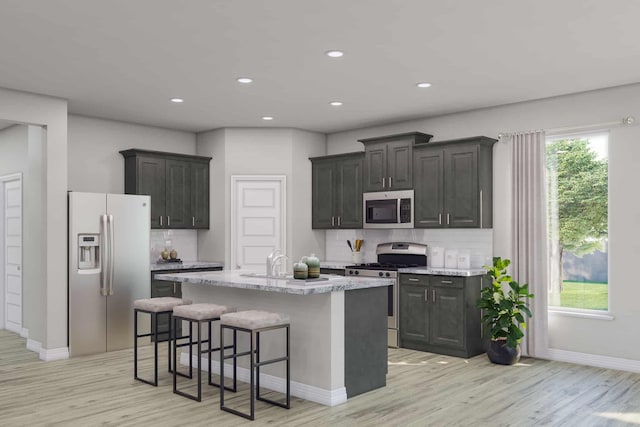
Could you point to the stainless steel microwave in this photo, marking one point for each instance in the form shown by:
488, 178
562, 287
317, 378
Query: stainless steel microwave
388, 209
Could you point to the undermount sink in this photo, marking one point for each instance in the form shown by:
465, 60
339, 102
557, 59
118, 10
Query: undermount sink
289, 278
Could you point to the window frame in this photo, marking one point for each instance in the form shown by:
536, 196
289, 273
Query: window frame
573, 311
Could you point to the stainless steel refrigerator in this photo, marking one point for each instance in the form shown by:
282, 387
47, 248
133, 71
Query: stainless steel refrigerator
108, 268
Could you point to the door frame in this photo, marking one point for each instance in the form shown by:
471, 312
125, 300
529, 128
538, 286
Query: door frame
235, 179
3, 242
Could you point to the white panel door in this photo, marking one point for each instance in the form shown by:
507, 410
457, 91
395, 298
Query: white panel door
257, 219
13, 255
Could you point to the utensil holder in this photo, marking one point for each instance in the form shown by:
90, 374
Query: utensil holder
356, 257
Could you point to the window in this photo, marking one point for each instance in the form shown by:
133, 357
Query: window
577, 179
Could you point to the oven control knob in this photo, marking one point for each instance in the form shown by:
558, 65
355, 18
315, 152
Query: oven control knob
380, 274
387, 274
350, 271
357, 272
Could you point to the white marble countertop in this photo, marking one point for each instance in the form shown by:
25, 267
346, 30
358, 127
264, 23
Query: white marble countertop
336, 265
184, 265
444, 271
251, 280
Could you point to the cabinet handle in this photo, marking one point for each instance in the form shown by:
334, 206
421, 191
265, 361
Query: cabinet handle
160, 220
338, 220
433, 295
168, 221
414, 280
481, 208
446, 282
174, 288
193, 221
426, 295
448, 217
333, 221
389, 182
382, 182
439, 219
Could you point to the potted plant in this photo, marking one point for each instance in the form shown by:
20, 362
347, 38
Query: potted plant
504, 304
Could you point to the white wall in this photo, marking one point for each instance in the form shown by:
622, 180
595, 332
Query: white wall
95, 162
212, 243
256, 151
50, 326
600, 337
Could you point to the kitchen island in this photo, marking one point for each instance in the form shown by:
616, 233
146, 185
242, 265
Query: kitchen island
338, 328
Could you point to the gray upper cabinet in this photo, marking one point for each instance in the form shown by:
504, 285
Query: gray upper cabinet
178, 185
388, 161
337, 191
453, 183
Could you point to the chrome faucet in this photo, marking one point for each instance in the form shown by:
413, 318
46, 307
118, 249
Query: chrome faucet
274, 265
270, 260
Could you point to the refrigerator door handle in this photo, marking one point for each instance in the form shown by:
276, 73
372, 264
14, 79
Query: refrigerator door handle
111, 253
103, 255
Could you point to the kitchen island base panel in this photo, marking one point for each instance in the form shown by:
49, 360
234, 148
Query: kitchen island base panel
365, 343
276, 383
318, 331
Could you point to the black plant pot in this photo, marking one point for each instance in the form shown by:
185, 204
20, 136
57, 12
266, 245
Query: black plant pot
499, 353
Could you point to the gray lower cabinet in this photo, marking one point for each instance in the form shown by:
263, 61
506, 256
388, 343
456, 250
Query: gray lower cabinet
453, 183
439, 314
337, 191
178, 185
162, 288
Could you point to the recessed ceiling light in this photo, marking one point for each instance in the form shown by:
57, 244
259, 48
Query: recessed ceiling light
335, 103
423, 84
267, 118
335, 53
244, 80
177, 100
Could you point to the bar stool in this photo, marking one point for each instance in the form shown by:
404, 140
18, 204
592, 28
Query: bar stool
198, 313
254, 322
153, 307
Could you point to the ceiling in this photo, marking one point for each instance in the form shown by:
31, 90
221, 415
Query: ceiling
123, 59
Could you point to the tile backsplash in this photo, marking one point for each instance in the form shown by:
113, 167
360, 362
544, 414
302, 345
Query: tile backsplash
185, 242
477, 242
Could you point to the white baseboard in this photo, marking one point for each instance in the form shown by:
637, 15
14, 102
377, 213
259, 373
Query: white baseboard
10, 326
596, 360
33, 345
24, 333
46, 354
49, 354
271, 382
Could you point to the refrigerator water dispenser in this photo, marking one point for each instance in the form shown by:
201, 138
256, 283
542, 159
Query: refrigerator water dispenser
88, 253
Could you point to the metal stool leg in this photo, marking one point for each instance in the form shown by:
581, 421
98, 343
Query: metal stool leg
255, 364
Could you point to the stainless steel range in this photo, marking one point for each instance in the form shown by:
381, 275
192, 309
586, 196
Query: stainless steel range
391, 257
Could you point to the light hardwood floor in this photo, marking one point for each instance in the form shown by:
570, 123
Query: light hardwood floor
422, 389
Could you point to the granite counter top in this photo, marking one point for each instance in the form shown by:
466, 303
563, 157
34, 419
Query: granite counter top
250, 280
184, 265
444, 271
335, 265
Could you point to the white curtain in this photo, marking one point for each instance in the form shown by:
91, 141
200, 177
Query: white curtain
529, 237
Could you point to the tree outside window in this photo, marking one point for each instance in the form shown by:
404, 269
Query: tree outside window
577, 177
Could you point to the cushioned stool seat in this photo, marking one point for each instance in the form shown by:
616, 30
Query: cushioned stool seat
157, 305
254, 319
254, 322
201, 311
198, 313
153, 307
